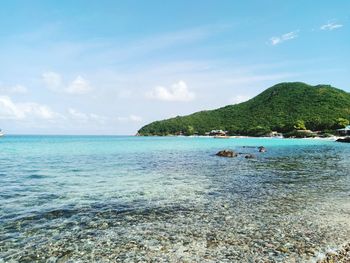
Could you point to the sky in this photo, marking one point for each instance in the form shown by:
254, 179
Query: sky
110, 67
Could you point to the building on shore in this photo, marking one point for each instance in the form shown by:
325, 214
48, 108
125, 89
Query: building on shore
218, 133
344, 132
276, 134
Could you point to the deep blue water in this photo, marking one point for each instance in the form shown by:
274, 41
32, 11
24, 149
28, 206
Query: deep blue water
171, 199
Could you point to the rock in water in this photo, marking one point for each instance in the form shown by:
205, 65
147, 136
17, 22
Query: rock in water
249, 156
346, 139
262, 149
227, 153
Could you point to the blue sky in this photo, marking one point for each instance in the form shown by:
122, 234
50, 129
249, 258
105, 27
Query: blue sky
109, 67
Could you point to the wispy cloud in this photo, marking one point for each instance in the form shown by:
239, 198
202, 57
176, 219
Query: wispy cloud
239, 98
130, 118
331, 26
54, 81
256, 78
16, 89
79, 86
285, 37
109, 51
77, 115
177, 92
29, 110
83, 117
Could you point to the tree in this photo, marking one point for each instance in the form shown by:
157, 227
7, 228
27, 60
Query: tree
341, 123
189, 130
300, 125
259, 131
232, 130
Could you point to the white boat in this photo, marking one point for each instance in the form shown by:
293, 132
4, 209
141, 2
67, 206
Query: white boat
1, 133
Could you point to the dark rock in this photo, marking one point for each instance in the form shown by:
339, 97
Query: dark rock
227, 153
346, 139
262, 149
249, 156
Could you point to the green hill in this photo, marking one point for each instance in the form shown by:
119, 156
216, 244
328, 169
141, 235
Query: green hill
283, 107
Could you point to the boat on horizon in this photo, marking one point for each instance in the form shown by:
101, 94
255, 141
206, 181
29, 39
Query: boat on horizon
1, 133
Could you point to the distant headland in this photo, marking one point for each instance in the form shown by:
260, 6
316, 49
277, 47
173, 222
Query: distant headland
294, 109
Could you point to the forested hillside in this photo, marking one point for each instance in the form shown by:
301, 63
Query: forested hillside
284, 107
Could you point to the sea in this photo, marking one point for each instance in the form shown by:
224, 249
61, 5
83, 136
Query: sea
171, 199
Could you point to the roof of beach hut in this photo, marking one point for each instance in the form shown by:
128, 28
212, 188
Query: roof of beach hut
347, 128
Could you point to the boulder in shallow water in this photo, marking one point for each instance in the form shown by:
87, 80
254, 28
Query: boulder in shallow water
262, 149
227, 153
346, 139
249, 156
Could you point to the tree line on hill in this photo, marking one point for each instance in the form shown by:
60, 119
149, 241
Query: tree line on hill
289, 108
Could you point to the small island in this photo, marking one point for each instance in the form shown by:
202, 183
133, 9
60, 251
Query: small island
290, 109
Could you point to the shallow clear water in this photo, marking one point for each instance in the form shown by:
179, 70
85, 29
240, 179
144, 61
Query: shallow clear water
85, 198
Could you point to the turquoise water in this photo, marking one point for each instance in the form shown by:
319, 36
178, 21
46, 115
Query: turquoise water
170, 199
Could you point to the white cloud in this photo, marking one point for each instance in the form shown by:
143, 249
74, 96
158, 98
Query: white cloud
331, 26
239, 98
135, 118
85, 117
177, 92
250, 79
130, 118
54, 81
125, 94
29, 110
97, 118
8, 109
16, 89
37, 110
77, 115
153, 43
280, 39
79, 86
